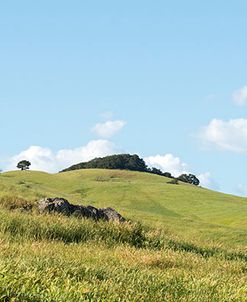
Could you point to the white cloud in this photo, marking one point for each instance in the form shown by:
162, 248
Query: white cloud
167, 163
207, 181
240, 96
174, 165
45, 159
41, 158
109, 128
95, 148
107, 115
227, 135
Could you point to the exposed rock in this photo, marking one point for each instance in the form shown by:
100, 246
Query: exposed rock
110, 214
59, 205
82, 211
62, 206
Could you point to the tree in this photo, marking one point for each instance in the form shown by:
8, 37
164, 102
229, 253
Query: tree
183, 178
156, 171
167, 174
194, 180
24, 165
189, 178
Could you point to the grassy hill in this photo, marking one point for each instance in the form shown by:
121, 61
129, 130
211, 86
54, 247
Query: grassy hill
190, 246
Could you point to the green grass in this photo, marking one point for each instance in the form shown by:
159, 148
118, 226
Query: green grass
185, 243
194, 213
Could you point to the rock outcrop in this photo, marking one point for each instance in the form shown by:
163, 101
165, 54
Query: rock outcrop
62, 206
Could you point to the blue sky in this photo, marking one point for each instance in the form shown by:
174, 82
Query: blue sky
158, 77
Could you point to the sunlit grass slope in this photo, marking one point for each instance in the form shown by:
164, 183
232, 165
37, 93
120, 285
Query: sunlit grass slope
184, 244
184, 210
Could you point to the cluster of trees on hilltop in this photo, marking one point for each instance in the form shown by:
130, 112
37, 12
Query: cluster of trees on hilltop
129, 162
159, 172
121, 162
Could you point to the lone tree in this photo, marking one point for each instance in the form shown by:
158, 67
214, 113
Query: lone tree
24, 165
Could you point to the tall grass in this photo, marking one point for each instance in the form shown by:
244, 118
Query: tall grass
12, 202
56, 272
206, 252
73, 230
70, 230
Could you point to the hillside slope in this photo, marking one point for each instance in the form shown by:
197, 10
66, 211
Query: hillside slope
190, 246
190, 212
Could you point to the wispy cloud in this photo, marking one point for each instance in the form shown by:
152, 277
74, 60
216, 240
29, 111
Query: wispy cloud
109, 128
107, 115
240, 96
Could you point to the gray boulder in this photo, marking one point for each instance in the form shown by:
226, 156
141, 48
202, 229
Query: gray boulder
59, 205
110, 214
62, 206
82, 211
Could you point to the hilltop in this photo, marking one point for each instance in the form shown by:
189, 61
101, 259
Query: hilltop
129, 162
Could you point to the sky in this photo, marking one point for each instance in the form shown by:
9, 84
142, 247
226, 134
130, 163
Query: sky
163, 79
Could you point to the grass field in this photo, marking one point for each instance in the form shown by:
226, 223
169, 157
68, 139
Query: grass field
185, 243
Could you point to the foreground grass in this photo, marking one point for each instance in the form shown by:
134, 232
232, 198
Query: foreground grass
53, 271
54, 258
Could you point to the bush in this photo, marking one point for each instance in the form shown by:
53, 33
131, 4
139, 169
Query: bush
167, 174
173, 181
